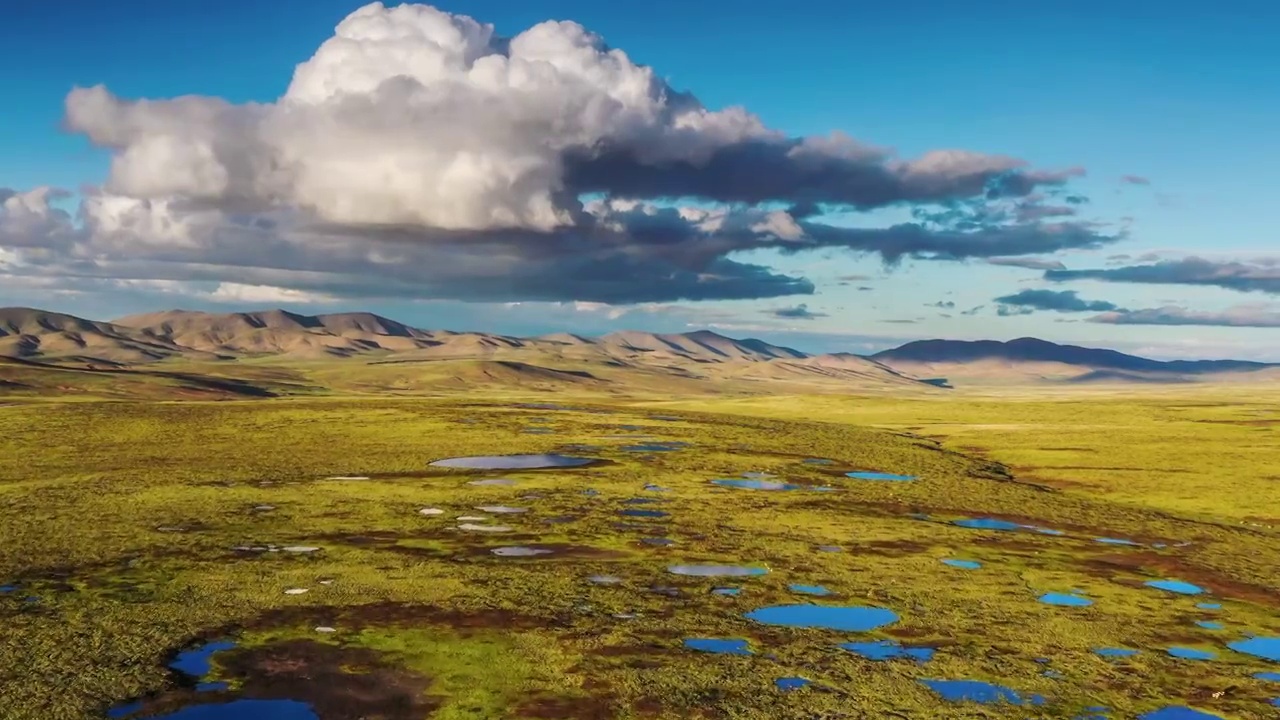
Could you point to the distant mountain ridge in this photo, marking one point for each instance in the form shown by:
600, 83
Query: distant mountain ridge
31, 334
1047, 360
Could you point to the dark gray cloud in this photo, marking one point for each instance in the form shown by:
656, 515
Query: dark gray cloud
944, 304
798, 312
1134, 180
1052, 301
833, 170
973, 310
932, 242
1241, 316
1030, 263
1257, 276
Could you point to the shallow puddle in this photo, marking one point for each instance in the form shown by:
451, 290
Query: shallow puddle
882, 650
654, 447
1115, 652
717, 570
851, 618
236, 710
513, 462
644, 513
1210, 625
729, 592
519, 551
810, 590
1116, 541
753, 475
472, 527
1209, 606
962, 564
1175, 586
718, 646
1268, 676
604, 579
195, 661
1178, 712
1186, 653
879, 476
748, 484
501, 509
988, 524
979, 692
1066, 600
493, 482
658, 542
1267, 648
818, 461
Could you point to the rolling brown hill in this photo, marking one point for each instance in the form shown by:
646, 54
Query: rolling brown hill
37, 334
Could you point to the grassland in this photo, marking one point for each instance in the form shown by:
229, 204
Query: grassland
122, 520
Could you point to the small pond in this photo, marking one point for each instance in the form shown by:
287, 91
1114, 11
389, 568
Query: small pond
732, 646
757, 484
717, 570
1267, 648
1116, 541
962, 564
847, 618
791, 683
880, 476
979, 692
514, 462
881, 650
1065, 599
1175, 586
1186, 653
1210, 625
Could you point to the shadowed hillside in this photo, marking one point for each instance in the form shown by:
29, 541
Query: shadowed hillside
1030, 359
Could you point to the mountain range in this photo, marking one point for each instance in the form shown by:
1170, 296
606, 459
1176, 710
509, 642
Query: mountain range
143, 341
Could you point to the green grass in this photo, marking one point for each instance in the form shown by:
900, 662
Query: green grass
122, 517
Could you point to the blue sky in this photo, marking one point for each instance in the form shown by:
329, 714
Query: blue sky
1181, 95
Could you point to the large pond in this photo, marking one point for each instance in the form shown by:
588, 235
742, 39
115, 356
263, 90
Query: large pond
979, 692
847, 618
514, 462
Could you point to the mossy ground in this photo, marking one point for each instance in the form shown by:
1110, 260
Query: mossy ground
122, 519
